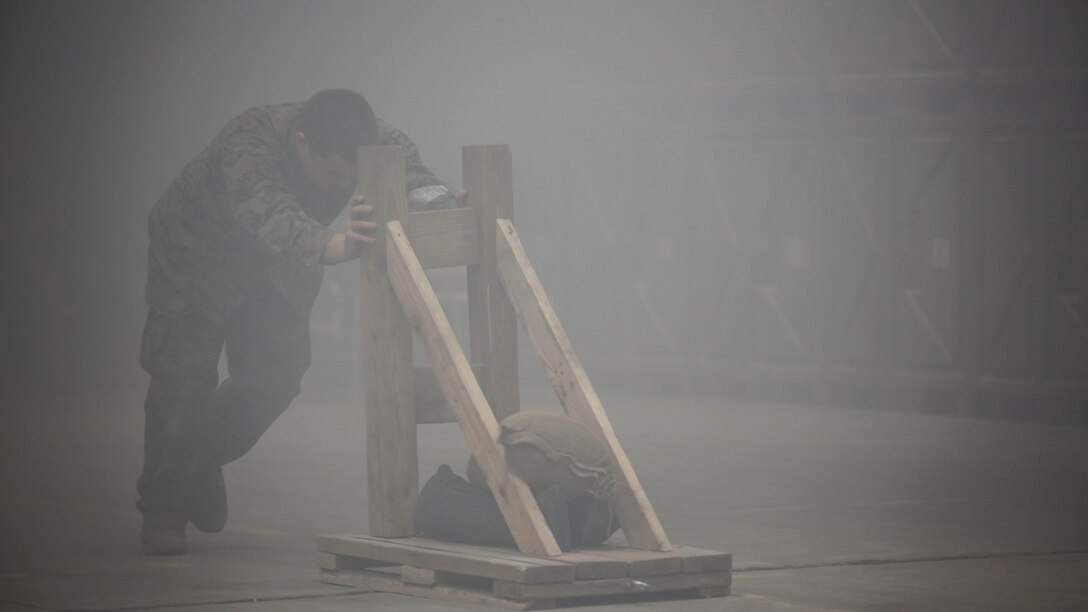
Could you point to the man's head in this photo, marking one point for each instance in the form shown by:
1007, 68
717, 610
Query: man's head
330, 127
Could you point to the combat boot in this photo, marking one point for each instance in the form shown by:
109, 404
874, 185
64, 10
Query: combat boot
208, 510
163, 535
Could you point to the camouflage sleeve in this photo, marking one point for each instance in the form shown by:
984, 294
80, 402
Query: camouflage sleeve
258, 193
416, 174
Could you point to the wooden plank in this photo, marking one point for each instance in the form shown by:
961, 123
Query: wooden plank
441, 556
614, 562
698, 560
588, 566
641, 563
385, 583
418, 575
585, 565
327, 560
612, 586
429, 577
392, 469
568, 378
465, 397
431, 406
493, 325
445, 238
498, 554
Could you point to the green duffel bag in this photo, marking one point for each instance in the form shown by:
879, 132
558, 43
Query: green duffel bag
452, 509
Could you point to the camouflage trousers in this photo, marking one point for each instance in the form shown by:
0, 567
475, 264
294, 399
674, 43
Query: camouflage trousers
192, 421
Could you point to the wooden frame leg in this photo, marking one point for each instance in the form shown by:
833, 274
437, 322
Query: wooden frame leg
392, 463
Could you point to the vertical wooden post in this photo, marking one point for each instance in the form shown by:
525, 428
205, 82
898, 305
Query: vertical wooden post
493, 324
392, 466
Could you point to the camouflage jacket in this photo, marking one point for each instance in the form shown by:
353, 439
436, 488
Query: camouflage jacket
242, 210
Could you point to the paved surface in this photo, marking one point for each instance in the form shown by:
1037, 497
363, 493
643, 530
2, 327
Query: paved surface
823, 508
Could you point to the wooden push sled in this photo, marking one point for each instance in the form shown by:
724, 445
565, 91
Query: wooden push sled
502, 289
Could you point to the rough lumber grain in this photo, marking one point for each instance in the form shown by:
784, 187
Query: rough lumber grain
493, 325
697, 560
611, 586
444, 238
641, 563
588, 566
392, 469
441, 556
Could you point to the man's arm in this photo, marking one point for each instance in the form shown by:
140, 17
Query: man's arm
349, 246
258, 193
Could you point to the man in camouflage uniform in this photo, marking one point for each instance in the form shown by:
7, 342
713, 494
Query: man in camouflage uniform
237, 247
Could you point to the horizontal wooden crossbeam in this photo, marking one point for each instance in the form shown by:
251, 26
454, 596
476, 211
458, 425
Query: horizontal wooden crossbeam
445, 238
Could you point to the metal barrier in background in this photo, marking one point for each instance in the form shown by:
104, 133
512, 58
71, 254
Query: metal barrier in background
881, 200
907, 224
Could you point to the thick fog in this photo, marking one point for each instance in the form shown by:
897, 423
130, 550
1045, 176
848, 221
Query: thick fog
104, 103
680, 182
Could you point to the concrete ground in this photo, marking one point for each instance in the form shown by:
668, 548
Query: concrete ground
822, 508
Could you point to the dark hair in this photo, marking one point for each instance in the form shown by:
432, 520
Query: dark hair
337, 121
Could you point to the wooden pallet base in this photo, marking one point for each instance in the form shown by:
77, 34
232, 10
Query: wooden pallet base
504, 578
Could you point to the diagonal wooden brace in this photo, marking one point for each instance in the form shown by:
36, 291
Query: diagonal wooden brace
571, 384
464, 395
